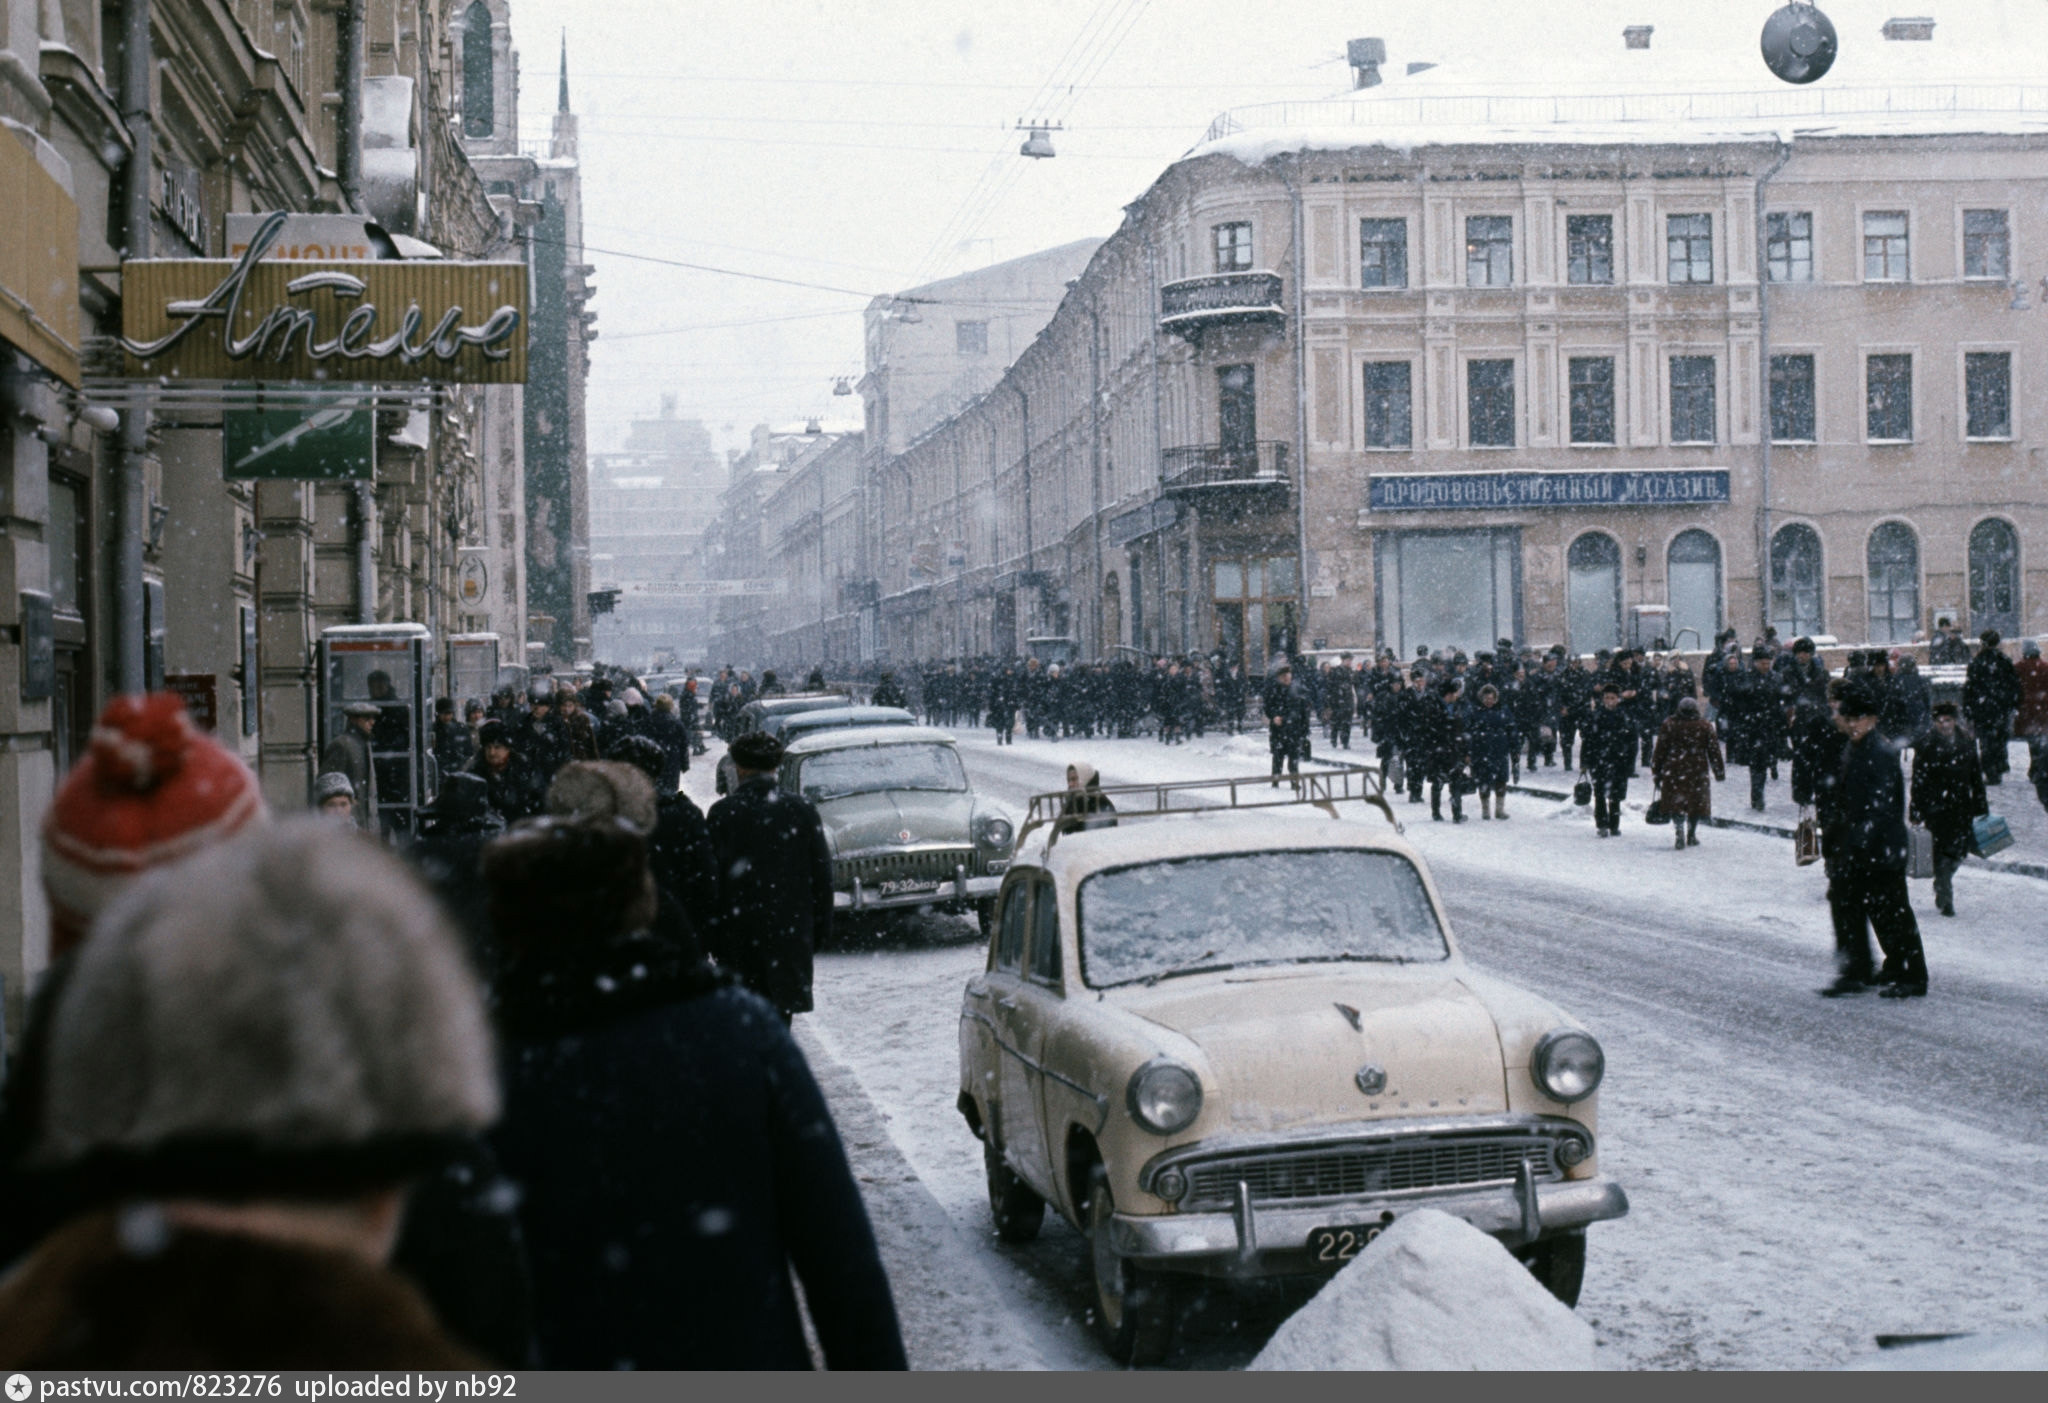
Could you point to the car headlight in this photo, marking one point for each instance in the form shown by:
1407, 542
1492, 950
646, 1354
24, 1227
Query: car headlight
1568, 1065
993, 831
1164, 1096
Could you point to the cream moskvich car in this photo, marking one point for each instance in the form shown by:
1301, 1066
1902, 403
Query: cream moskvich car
1240, 1042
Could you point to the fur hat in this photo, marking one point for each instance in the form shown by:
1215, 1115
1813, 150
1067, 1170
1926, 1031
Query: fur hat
1689, 706
641, 753
150, 790
1946, 709
285, 1015
603, 789
1761, 654
1859, 697
757, 751
333, 783
493, 732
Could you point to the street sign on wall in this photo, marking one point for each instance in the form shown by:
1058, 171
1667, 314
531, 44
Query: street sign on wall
703, 589
256, 318
338, 443
1659, 487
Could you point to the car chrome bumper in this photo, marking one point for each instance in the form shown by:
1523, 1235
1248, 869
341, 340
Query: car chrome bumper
959, 892
1273, 1240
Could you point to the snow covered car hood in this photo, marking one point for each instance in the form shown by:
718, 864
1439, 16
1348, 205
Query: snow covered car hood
1278, 1048
865, 822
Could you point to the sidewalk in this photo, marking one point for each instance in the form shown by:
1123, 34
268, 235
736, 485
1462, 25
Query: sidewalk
2014, 801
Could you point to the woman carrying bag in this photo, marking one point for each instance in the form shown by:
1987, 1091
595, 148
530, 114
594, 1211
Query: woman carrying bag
1687, 752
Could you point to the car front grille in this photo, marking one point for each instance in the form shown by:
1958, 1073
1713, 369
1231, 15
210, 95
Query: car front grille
929, 865
1386, 1167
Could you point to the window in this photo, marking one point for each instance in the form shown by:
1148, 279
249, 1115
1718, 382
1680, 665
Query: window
1589, 248
1792, 399
1045, 934
1788, 247
1888, 398
1489, 250
1693, 582
1389, 407
1796, 582
1383, 252
970, 338
1994, 577
1987, 246
1893, 570
1490, 403
1692, 399
1255, 602
1689, 248
1593, 592
1010, 933
1884, 246
1592, 389
1233, 247
1987, 393
1237, 411
479, 118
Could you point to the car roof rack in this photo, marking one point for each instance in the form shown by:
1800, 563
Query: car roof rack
1323, 788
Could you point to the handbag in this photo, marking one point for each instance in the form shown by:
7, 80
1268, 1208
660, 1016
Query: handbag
1582, 792
1395, 774
1919, 852
1991, 834
1655, 814
1806, 838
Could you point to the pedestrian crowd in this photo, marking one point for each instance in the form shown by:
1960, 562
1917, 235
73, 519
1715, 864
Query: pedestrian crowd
517, 1088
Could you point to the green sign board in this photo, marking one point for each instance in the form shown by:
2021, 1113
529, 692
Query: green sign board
299, 445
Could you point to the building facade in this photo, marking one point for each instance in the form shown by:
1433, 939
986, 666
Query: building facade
650, 505
1422, 368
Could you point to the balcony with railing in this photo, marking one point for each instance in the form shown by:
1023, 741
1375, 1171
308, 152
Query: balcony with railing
1191, 306
1253, 475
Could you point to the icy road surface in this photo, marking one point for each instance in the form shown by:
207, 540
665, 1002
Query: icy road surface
1805, 1174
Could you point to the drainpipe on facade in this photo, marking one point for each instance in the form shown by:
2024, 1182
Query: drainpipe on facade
1763, 371
131, 488
349, 158
1301, 630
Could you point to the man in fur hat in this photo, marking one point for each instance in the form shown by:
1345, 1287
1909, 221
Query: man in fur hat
774, 879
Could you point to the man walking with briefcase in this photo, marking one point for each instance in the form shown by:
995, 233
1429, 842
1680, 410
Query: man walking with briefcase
1864, 830
1948, 794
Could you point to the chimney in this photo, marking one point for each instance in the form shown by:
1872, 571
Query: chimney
1366, 56
1919, 29
1637, 36
1415, 67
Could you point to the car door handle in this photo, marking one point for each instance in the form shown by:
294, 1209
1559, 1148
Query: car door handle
1006, 1003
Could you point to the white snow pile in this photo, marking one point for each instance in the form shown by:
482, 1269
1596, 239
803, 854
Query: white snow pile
1431, 1292
2009, 1351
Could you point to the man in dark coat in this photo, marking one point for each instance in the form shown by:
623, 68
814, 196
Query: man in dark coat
1574, 705
1609, 759
1947, 796
774, 879
1991, 692
1443, 740
510, 783
1865, 838
1756, 721
1340, 702
1908, 705
1287, 721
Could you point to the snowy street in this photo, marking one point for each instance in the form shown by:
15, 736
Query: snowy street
1805, 1174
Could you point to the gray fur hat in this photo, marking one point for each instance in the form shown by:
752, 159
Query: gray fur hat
599, 789
284, 1015
333, 782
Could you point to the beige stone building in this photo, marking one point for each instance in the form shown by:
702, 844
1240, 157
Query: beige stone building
1667, 351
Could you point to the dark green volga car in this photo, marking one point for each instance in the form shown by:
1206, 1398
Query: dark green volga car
906, 829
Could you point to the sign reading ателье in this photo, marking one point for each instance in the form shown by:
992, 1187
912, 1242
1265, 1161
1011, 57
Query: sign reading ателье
1436, 492
379, 321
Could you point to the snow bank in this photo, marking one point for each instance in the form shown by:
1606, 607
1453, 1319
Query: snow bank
2005, 1352
1432, 1292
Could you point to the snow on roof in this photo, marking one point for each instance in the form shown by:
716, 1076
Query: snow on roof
1200, 833
1566, 77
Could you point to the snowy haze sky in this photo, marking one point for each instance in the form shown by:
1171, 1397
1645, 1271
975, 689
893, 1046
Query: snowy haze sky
867, 144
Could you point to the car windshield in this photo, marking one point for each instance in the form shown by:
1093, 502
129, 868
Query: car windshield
1165, 918
834, 774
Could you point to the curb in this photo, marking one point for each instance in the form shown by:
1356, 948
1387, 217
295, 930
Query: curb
2015, 867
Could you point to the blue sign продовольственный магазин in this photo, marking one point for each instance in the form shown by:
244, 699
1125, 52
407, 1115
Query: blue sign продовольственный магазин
1483, 491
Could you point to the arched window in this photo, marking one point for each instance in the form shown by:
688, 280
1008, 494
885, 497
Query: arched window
1594, 592
1693, 581
1796, 582
1892, 567
1994, 578
479, 73
1112, 615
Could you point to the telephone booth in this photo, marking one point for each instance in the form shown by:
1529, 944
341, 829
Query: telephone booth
472, 668
391, 666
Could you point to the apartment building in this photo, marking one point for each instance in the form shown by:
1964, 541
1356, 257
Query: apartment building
1446, 361
650, 505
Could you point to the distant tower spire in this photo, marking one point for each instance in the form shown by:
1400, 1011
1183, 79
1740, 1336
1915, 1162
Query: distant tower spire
562, 99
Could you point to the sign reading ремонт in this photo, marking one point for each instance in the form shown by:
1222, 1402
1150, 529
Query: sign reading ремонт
1509, 491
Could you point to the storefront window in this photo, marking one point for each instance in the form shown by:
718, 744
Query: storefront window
1594, 601
1694, 581
1255, 604
1894, 574
1796, 582
1448, 589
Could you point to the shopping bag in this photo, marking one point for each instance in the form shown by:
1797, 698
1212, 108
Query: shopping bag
1655, 814
1395, 773
1920, 852
1992, 834
1582, 792
1806, 838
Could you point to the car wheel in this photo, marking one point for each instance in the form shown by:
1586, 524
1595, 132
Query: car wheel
1134, 1307
1018, 1210
985, 912
1560, 1264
